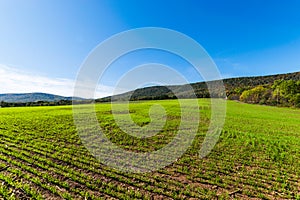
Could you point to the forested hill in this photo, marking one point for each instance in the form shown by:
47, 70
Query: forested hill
235, 85
32, 97
234, 88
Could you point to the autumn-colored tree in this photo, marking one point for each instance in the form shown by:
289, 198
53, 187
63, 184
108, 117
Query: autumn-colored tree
255, 95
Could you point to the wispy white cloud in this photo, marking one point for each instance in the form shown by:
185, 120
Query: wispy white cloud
13, 80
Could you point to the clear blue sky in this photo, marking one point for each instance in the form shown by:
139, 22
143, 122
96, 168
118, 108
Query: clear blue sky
47, 40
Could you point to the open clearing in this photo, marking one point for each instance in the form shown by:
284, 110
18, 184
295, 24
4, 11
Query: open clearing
257, 156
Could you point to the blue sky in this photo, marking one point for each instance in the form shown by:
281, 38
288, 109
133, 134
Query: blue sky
43, 43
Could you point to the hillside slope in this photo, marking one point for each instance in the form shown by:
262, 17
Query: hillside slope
233, 86
33, 97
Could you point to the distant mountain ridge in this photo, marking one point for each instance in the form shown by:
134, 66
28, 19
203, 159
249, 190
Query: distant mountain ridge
33, 97
233, 87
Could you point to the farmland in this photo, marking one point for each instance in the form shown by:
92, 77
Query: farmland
257, 155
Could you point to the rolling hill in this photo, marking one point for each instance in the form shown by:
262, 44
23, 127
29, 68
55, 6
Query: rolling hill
233, 87
33, 97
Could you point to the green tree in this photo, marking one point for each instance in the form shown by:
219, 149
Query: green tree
286, 92
256, 95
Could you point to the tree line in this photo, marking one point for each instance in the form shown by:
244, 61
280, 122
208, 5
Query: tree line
4, 104
280, 90
280, 93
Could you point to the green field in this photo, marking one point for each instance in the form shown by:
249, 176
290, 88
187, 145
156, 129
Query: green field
257, 155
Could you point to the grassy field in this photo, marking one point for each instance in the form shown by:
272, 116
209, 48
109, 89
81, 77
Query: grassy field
257, 156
